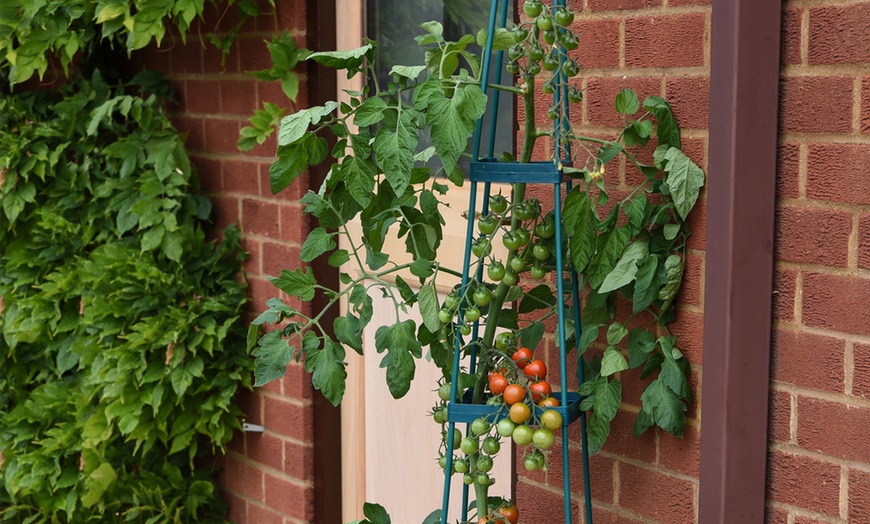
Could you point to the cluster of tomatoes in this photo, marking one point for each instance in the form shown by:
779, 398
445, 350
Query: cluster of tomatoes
535, 45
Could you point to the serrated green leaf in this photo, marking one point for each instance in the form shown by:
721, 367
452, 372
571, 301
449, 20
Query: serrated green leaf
646, 287
375, 514
327, 366
664, 407
338, 258
349, 60
580, 222
433, 28
588, 336
409, 72
298, 283
319, 241
627, 102
684, 179
612, 362
626, 269
502, 42
667, 132
422, 268
610, 248
394, 151
615, 333
273, 354
359, 175
640, 344
429, 308
402, 346
370, 112
532, 334
673, 278
541, 297
452, 121
348, 331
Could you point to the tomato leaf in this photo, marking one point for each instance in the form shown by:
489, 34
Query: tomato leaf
429, 308
328, 370
684, 179
626, 269
640, 344
646, 287
612, 362
273, 354
664, 407
627, 102
402, 346
541, 297
319, 241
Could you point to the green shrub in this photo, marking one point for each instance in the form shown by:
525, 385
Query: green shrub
121, 351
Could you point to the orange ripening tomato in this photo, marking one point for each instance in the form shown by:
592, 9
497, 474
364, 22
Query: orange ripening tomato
540, 390
497, 383
522, 357
548, 402
514, 393
519, 413
536, 370
511, 513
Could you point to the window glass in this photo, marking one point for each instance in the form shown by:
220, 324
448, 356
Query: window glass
395, 23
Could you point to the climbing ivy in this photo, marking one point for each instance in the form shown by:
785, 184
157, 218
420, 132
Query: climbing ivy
121, 351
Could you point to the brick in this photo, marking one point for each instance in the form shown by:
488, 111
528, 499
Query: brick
193, 131
864, 240
266, 449
289, 498
601, 92
260, 218
689, 326
294, 226
263, 515
840, 34
601, 515
261, 290
298, 461
784, 293
813, 235
775, 516
837, 303
681, 454
693, 282
788, 159
861, 372
237, 97
779, 429
621, 441
277, 257
675, 3
185, 58
292, 15
804, 108
209, 172
859, 496
213, 61
600, 472
545, 505
621, 5
790, 39
804, 482
242, 478
665, 41
673, 501
808, 360
238, 509
199, 96
288, 419
865, 105
689, 97
226, 211
838, 172
221, 135
599, 43
833, 428
297, 382
697, 223
240, 176
254, 54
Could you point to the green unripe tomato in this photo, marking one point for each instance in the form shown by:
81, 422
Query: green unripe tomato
460, 466
445, 316
533, 8
550, 62
516, 51
505, 340
510, 279
484, 464
498, 203
465, 329
571, 68
524, 236
468, 479
472, 314
541, 252
534, 68
442, 461
552, 113
548, 87
538, 272
563, 17
522, 435
481, 247
531, 463
543, 438
519, 34
440, 415
495, 271
549, 37
546, 228
444, 391
491, 445
575, 95
512, 67
487, 225
518, 264
482, 297
480, 426
457, 438
536, 52
469, 445
544, 23
505, 427
484, 480
569, 41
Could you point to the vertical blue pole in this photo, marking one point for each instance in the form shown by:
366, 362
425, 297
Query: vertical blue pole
563, 363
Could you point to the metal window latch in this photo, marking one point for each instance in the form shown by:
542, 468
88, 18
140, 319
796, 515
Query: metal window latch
253, 428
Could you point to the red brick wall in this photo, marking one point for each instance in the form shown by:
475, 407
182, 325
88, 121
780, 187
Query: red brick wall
819, 451
268, 477
656, 47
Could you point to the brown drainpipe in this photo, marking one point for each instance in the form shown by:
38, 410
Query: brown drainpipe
740, 226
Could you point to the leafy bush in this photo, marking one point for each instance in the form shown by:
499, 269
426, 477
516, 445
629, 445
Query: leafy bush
121, 352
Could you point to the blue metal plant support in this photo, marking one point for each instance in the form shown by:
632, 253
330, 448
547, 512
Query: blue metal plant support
485, 169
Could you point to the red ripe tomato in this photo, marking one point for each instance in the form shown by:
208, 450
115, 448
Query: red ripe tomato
511, 513
536, 369
522, 357
497, 383
540, 390
514, 393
